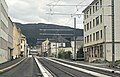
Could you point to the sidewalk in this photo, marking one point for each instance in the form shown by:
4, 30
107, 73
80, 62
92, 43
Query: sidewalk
100, 66
9, 63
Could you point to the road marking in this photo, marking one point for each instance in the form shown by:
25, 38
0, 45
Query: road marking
42, 69
9, 67
80, 69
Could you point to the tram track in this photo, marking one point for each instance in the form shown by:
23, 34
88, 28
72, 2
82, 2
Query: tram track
58, 70
47, 65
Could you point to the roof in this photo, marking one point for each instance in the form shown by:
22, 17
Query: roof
60, 39
89, 6
80, 38
22, 35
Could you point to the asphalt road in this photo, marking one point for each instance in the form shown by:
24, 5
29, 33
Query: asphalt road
27, 68
62, 71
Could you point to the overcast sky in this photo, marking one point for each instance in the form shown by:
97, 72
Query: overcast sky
34, 11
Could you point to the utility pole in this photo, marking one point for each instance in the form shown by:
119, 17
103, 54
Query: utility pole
56, 47
113, 40
75, 55
105, 41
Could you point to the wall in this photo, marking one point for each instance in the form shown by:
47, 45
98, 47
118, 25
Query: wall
3, 32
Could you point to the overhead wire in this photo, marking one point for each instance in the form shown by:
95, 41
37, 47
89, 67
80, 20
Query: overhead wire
52, 7
75, 11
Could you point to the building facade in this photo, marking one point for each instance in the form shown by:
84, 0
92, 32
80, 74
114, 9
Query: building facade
98, 30
56, 47
45, 47
3, 31
16, 42
23, 46
10, 38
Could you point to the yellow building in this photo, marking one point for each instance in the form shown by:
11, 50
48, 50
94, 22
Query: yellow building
45, 45
16, 42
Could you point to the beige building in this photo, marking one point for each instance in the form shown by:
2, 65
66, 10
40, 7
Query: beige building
16, 42
10, 38
98, 30
3, 31
45, 45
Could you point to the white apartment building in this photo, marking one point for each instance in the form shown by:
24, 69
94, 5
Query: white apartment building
3, 31
98, 30
55, 48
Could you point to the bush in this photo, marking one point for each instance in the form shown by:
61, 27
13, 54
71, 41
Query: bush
64, 55
117, 62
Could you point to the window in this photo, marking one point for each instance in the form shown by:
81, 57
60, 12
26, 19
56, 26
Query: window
21, 46
4, 27
93, 22
101, 34
97, 20
85, 39
100, 18
101, 50
3, 44
90, 11
90, 25
87, 26
90, 38
97, 35
87, 13
95, 53
97, 5
4, 11
85, 16
93, 9
0, 42
100, 3
93, 36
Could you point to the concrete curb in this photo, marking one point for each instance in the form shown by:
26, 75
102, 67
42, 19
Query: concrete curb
44, 72
10, 67
90, 66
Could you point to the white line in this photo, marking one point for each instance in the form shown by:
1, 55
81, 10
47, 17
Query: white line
42, 69
80, 69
